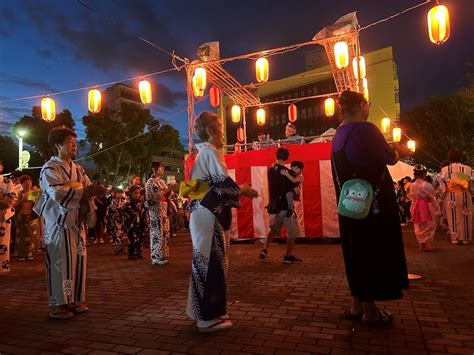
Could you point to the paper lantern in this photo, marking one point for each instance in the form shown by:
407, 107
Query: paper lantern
397, 134
95, 101
411, 145
240, 135
260, 116
362, 68
438, 24
197, 91
261, 69
48, 109
145, 91
365, 87
385, 125
214, 96
237, 149
292, 113
201, 78
235, 113
329, 106
341, 54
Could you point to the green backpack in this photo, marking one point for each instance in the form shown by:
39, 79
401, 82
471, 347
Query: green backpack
355, 200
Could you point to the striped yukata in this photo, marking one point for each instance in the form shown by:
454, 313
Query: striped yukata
210, 220
458, 203
64, 234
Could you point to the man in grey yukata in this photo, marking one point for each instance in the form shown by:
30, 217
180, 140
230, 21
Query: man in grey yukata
64, 186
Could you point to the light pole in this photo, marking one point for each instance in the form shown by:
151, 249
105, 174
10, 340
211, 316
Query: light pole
20, 134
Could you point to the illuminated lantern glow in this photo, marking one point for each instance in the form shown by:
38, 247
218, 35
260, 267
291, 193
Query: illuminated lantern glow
197, 91
385, 124
214, 96
341, 54
362, 68
411, 145
235, 113
329, 107
260, 116
201, 78
237, 148
240, 135
261, 69
292, 113
95, 101
438, 24
365, 86
145, 91
48, 109
397, 134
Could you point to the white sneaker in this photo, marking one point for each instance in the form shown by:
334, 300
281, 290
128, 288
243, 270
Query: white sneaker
465, 242
101, 241
455, 242
160, 262
95, 241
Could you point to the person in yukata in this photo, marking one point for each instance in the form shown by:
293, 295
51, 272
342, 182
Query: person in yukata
458, 199
156, 192
116, 220
213, 194
65, 191
135, 222
424, 208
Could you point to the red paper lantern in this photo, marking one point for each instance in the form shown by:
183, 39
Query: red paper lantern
241, 135
214, 96
292, 113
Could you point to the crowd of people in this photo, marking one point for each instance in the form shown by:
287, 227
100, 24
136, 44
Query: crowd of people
71, 212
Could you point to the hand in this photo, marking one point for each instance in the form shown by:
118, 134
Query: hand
284, 172
247, 191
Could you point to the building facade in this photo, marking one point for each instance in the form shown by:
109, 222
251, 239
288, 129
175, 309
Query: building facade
383, 95
118, 94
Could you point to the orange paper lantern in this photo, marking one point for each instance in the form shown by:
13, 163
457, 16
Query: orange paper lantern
341, 54
145, 91
260, 116
411, 145
201, 78
235, 113
385, 124
261, 69
48, 109
329, 106
241, 135
397, 134
95, 101
438, 24
197, 91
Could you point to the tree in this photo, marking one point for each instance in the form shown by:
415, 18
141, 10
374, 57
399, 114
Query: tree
442, 123
8, 153
37, 129
108, 129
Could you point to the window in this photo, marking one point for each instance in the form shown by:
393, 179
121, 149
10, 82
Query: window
302, 93
171, 179
397, 95
317, 111
310, 112
395, 71
315, 90
278, 120
303, 113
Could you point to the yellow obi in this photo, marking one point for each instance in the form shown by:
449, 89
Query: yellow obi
459, 183
195, 189
74, 185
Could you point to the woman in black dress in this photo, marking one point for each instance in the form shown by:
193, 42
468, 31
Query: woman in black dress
372, 247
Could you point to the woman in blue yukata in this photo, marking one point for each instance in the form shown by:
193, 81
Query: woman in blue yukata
213, 194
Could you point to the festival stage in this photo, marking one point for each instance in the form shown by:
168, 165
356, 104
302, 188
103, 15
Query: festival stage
317, 214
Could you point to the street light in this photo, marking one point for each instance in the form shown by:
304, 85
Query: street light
20, 134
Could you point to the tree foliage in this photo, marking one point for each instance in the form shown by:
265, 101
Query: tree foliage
442, 123
108, 129
37, 129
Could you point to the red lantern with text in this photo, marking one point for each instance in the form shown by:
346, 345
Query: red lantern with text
292, 113
214, 96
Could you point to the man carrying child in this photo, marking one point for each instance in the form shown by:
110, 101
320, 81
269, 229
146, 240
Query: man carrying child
283, 188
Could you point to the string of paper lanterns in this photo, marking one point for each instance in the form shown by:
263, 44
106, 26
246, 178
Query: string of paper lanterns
396, 133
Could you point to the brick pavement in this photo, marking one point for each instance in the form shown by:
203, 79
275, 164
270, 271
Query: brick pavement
276, 308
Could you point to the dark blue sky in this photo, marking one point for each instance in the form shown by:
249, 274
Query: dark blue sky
53, 45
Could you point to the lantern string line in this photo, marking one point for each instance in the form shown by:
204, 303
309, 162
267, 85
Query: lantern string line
93, 86
393, 16
139, 37
288, 101
409, 138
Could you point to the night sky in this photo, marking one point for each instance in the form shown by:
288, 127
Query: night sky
53, 45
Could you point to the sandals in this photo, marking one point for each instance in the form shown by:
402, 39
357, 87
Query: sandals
59, 312
351, 316
385, 319
77, 308
221, 324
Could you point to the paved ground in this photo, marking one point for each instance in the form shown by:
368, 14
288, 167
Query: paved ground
276, 308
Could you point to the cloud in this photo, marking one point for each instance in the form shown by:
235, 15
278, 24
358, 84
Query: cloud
3, 33
44, 53
26, 82
165, 97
